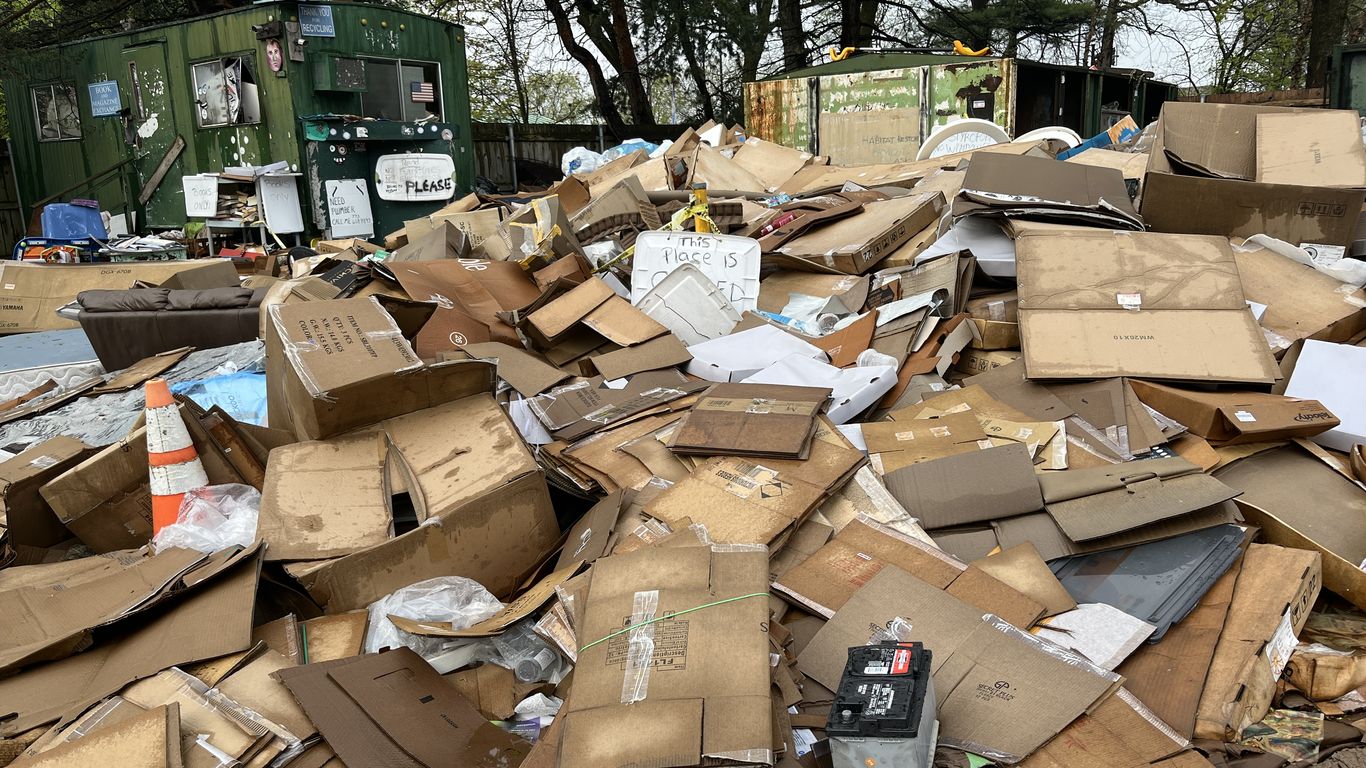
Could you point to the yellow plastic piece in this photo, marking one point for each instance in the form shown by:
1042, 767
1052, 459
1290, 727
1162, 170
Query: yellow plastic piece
963, 50
840, 55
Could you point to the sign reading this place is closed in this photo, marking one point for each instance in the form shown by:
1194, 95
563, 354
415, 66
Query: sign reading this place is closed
415, 176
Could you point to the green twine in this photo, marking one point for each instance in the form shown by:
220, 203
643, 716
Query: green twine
670, 616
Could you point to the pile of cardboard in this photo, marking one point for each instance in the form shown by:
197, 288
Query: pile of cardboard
616, 474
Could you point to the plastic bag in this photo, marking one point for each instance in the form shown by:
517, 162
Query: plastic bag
528, 655
580, 160
627, 147
461, 601
213, 518
241, 393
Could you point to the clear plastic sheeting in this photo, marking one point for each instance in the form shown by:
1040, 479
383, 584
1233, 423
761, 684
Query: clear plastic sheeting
462, 602
213, 518
104, 419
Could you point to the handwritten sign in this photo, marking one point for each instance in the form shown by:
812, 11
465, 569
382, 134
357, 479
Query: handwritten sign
280, 202
415, 176
316, 21
104, 99
201, 196
348, 208
731, 262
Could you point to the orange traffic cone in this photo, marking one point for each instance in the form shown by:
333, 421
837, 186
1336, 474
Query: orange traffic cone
172, 459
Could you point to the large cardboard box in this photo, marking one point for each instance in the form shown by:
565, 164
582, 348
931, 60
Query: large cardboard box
1201, 173
1271, 601
481, 501
1231, 418
333, 366
1101, 303
28, 517
31, 294
690, 680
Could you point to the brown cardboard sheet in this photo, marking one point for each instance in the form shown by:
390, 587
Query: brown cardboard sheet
209, 622
690, 706
393, 709
826, 580
968, 488
1097, 303
1001, 691
760, 420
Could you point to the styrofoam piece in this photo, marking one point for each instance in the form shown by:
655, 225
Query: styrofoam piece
1052, 133
962, 136
740, 355
690, 305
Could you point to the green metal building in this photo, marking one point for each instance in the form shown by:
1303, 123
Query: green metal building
123, 118
878, 107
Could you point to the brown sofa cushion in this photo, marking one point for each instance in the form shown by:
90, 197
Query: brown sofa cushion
210, 298
132, 300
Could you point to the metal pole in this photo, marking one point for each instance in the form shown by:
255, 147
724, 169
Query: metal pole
602, 147
512, 155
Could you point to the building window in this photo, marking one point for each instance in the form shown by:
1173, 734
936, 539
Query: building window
401, 90
55, 112
225, 93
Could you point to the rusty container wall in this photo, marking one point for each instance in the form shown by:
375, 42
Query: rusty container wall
780, 111
870, 117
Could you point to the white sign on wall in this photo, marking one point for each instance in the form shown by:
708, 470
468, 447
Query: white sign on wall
348, 208
201, 196
280, 202
729, 261
415, 176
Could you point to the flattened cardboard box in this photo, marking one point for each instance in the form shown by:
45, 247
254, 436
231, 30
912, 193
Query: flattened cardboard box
1301, 302
208, 623
1095, 503
31, 294
393, 709
1233, 418
853, 245
968, 488
1136, 304
1002, 692
760, 420
702, 688
1276, 589
1300, 500
738, 502
332, 366
826, 580
1119, 733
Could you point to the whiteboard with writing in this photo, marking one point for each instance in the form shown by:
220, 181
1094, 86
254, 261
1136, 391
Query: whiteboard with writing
729, 261
201, 196
415, 176
280, 202
348, 208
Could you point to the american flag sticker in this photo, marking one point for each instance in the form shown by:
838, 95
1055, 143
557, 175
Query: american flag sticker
422, 92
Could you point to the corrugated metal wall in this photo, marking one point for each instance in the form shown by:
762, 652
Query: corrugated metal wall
538, 148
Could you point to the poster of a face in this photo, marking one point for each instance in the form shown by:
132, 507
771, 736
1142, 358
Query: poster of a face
275, 58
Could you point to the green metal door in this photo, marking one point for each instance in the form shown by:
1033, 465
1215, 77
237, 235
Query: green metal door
153, 133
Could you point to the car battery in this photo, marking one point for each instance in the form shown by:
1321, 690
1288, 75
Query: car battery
884, 711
